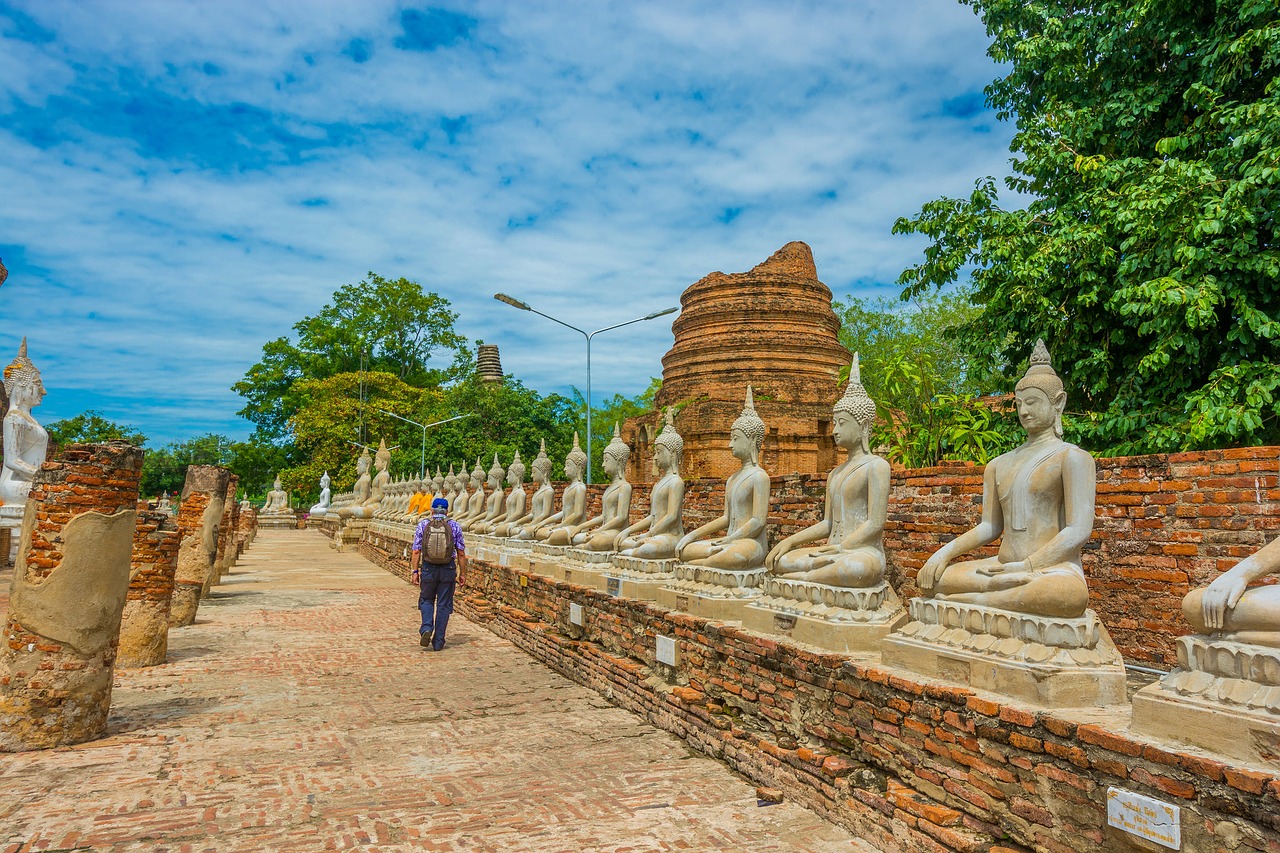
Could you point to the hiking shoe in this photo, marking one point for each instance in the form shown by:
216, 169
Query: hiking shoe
438, 646
424, 640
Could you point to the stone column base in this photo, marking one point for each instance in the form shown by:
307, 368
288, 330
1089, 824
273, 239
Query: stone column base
274, 522
1224, 696
835, 618
348, 536
712, 593
638, 578
1051, 662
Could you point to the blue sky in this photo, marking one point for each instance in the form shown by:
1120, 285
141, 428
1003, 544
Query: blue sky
185, 180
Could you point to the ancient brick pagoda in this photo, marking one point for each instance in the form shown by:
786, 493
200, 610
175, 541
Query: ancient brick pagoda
771, 327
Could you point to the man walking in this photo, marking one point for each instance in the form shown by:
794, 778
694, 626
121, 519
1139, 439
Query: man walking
439, 561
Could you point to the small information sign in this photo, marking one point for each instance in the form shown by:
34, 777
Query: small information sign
502, 558
667, 650
575, 614
1145, 817
613, 585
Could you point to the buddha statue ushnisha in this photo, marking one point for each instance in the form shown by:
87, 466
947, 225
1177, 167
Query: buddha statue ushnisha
855, 510
543, 501
25, 441
1039, 500
601, 532
746, 505
558, 529
654, 537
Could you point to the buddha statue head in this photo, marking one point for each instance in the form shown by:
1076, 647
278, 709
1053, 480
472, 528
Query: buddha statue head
542, 464
437, 482
22, 381
669, 443
575, 462
362, 463
477, 475
616, 454
383, 457
496, 473
450, 481
324, 480
746, 436
515, 472
277, 485
857, 404
1040, 376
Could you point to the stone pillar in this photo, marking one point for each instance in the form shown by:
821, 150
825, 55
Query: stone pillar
68, 593
226, 535
198, 523
144, 629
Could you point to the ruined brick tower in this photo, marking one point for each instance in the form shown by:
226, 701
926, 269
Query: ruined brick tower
772, 327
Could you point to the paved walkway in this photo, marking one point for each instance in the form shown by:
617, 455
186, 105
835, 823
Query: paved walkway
300, 714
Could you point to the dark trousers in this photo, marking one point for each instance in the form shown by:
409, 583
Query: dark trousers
435, 600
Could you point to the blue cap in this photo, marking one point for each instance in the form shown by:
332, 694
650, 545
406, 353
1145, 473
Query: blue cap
440, 503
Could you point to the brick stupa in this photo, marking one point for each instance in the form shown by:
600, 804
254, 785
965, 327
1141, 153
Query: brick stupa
772, 327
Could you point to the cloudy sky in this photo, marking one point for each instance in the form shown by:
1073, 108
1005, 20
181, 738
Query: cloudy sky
182, 181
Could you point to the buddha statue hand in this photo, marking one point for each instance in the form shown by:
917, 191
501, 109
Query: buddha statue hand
1007, 575
930, 572
1221, 596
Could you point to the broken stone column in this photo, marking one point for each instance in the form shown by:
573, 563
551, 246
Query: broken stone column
246, 526
144, 629
69, 588
226, 535
199, 520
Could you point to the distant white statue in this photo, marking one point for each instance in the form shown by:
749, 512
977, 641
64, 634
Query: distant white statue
322, 506
277, 501
25, 441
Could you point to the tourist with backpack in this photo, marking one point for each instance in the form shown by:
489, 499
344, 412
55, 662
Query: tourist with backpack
439, 562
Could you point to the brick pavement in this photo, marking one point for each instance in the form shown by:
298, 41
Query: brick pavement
300, 714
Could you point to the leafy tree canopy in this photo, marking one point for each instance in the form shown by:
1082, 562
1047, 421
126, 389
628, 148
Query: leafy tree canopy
1148, 145
387, 326
91, 426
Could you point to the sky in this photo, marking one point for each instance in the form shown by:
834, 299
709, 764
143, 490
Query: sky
184, 181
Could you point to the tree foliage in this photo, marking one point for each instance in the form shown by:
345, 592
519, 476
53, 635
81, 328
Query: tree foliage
91, 426
1148, 144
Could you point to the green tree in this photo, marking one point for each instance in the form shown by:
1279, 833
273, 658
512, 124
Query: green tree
382, 325
165, 469
91, 426
1148, 145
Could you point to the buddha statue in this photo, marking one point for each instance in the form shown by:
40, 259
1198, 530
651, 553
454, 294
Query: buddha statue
543, 501
1040, 496
321, 507
450, 488
437, 486
601, 533
458, 506
558, 529
277, 503
165, 505
476, 501
1229, 609
494, 504
855, 510
25, 441
746, 505
514, 516
372, 489
664, 525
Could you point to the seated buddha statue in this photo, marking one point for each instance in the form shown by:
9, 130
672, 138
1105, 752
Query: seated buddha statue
856, 506
514, 515
494, 505
654, 537
544, 496
364, 509
1039, 500
277, 501
474, 510
25, 440
558, 529
321, 507
746, 505
600, 533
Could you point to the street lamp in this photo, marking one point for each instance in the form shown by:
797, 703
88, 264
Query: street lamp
523, 306
422, 464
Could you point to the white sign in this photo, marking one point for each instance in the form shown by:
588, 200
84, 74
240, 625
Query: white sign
1145, 817
575, 614
667, 650
502, 558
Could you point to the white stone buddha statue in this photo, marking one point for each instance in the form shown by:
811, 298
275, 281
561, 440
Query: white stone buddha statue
321, 507
558, 529
855, 510
25, 440
474, 510
746, 511
543, 502
601, 533
655, 536
494, 504
372, 488
1039, 500
277, 503
514, 516
165, 505
451, 487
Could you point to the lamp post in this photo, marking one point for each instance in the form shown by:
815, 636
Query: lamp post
516, 303
422, 462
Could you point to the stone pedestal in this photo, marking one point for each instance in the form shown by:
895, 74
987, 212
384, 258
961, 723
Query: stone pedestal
144, 627
69, 588
830, 617
711, 593
1224, 696
347, 537
1054, 663
278, 522
543, 558
199, 521
639, 578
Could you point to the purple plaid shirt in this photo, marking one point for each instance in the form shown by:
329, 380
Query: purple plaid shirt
458, 545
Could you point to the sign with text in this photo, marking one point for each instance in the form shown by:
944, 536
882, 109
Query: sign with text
666, 650
1145, 817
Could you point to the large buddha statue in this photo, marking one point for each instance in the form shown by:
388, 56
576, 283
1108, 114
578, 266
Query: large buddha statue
558, 529
746, 505
494, 503
601, 532
277, 503
514, 515
25, 441
321, 507
543, 501
165, 505
371, 488
655, 536
856, 507
1039, 499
